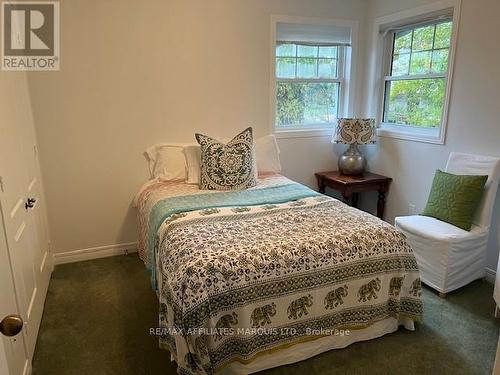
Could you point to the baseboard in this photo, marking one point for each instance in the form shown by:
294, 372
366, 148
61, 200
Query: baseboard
490, 275
94, 253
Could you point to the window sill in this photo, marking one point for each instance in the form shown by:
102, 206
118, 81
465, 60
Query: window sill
411, 133
303, 133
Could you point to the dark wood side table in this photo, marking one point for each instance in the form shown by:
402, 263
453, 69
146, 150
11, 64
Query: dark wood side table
350, 186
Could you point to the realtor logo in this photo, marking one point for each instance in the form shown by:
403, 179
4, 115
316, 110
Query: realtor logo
30, 35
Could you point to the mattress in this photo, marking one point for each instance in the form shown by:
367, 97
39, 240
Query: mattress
244, 277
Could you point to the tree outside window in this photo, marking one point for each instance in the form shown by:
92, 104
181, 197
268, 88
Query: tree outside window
307, 85
416, 86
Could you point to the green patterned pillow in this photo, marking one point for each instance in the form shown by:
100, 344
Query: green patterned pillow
228, 166
454, 198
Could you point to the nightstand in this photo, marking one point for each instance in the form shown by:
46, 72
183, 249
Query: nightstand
351, 186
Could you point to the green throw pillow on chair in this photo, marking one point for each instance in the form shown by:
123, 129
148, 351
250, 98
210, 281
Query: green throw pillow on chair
454, 198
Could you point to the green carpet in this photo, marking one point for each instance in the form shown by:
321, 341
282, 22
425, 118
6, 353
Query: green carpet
98, 313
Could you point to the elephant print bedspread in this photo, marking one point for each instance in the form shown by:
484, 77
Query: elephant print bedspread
237, 281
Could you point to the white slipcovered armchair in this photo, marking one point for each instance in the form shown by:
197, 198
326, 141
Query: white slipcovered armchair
449, 257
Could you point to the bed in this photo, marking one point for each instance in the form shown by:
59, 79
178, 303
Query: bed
275, 274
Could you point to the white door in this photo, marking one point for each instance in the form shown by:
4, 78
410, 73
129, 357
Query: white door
21, 199
496, 366
13, 356
36, 216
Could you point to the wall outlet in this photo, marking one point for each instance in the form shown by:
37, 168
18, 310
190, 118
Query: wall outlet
412, 209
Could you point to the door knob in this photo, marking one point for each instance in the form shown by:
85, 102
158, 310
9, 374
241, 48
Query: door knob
11, 325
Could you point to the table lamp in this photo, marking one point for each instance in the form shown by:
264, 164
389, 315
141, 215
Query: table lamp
354, 132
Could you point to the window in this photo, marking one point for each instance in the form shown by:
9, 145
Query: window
416, 86
311, 76
412, 71
308, 84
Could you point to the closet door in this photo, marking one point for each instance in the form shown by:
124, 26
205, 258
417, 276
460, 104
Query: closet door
13, 356
38, 234
21, 199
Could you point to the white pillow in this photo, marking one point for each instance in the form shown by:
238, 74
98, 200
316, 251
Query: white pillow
192, 155
266, 153
167, 161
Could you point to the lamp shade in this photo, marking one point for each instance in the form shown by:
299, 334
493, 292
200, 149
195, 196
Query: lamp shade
359, 131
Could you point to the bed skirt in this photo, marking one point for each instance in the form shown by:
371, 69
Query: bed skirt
305, 350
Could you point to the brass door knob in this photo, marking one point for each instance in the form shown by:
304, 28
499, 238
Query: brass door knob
11, 325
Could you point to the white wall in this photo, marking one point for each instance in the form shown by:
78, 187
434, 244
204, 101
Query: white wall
474, 113
138, 73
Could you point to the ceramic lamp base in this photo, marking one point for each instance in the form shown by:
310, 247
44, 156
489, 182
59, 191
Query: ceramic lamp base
352, 162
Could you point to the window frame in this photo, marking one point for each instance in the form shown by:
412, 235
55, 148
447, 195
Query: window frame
340, 80
407, 77
345, 78
447, 9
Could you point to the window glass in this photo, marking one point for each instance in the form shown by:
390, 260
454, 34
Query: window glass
309, 103
415, 89
307, 85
